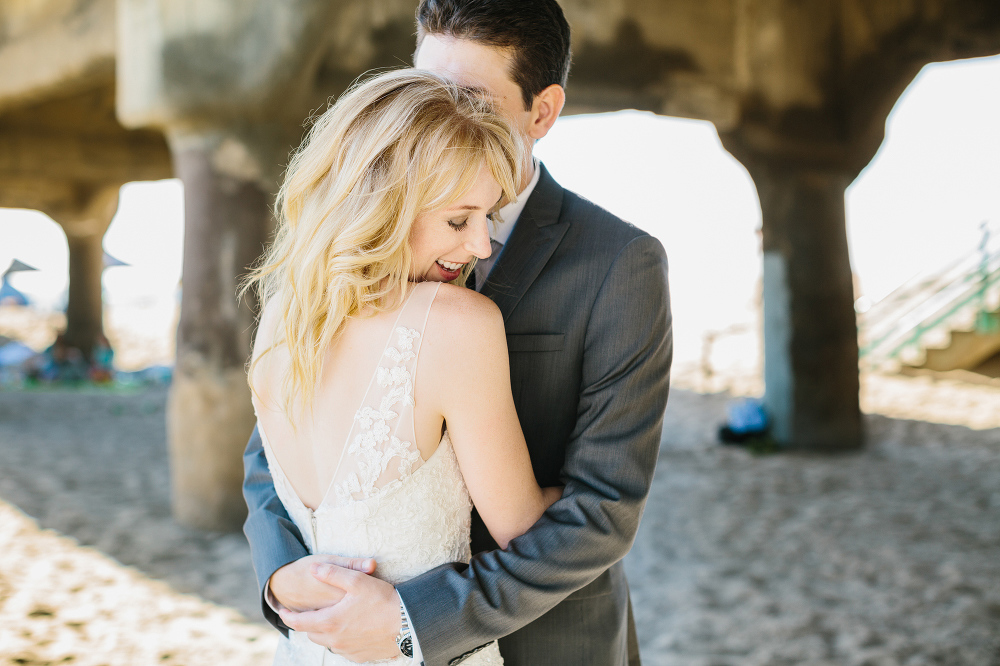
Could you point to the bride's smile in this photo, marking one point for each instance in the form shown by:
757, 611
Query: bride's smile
445, 240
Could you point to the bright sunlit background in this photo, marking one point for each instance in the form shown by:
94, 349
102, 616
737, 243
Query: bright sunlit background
919, 204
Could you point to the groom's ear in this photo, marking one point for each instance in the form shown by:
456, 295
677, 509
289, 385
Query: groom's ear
545, 109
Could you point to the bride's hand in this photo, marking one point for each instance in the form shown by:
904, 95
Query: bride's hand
294, 586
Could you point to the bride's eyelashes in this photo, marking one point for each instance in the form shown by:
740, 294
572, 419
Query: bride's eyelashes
458, 226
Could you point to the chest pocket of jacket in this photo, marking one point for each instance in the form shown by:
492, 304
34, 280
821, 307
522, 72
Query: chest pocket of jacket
542, 342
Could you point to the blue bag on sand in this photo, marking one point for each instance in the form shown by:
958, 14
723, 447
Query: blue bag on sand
745, 420
746, 416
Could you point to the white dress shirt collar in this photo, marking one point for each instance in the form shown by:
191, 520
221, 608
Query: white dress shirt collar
510, 213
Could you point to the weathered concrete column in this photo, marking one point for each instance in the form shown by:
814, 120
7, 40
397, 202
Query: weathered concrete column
85, 308
85, 229
810, 331
230, 83
226, 225
799, 92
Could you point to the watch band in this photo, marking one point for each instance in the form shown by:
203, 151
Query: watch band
404, 641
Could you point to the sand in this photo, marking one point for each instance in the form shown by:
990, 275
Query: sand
883, 557
63, 603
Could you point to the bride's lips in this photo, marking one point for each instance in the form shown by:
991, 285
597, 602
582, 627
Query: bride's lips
446, 274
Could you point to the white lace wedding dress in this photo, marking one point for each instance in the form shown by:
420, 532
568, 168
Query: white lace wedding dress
384, 500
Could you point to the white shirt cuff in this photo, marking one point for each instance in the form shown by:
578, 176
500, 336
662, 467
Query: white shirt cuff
418, 656
272, 602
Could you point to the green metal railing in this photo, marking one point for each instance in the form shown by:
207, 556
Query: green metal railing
986, 321
923, 328
902, 319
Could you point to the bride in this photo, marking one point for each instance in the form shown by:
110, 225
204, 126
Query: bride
381, 385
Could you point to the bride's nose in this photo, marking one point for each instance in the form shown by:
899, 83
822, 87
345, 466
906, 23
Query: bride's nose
478, 243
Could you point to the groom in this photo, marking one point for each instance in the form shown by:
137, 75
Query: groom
585, 304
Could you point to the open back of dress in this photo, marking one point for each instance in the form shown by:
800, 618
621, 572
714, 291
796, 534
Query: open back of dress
379, 448
383, 500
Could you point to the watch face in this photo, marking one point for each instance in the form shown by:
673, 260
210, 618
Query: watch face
406, 646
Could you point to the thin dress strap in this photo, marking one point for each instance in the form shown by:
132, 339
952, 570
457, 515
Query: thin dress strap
380, 451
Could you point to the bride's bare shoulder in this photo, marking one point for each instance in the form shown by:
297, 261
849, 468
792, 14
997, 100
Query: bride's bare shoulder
472, 308
463, 319
267, 326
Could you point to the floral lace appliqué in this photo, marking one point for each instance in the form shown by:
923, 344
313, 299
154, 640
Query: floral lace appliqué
374, 447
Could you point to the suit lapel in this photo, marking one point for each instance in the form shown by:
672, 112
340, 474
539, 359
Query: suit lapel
535, 237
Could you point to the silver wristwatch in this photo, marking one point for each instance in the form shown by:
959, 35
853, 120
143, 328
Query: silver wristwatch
404, 641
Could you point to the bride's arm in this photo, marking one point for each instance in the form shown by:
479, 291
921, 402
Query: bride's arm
466, 370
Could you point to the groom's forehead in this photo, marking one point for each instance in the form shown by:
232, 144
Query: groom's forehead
479, 67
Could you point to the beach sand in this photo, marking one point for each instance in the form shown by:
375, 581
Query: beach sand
886, 556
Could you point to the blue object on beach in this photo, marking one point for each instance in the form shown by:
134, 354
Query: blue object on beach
153, 375
11, 296
158, 374
15, 353
746, 416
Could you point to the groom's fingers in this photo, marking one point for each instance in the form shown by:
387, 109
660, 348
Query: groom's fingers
294, 587
318, 621
362, 627
336, 575
365, 565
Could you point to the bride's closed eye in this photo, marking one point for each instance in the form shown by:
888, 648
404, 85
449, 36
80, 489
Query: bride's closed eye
458, 226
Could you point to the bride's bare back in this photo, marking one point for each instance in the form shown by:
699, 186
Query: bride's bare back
327, 450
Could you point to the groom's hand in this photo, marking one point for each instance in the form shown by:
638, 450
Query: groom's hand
362, 625
294, 587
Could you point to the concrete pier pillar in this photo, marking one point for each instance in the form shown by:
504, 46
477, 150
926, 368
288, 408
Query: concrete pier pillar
229, 85
810, 331
84, 310
210, 417
85, 227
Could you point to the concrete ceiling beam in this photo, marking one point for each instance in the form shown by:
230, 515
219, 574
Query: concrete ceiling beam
49, 47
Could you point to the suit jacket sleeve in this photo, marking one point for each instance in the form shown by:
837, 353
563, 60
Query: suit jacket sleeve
609, 466
274, 539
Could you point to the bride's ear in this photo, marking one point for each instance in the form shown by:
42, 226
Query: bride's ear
545, 109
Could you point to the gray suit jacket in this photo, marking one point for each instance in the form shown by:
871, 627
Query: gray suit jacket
586, 308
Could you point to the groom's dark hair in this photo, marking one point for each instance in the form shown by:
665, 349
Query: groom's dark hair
535, 32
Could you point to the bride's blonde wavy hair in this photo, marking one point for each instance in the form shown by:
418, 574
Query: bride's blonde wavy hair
394, 146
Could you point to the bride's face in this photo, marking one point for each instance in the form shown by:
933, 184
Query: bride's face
443, 241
